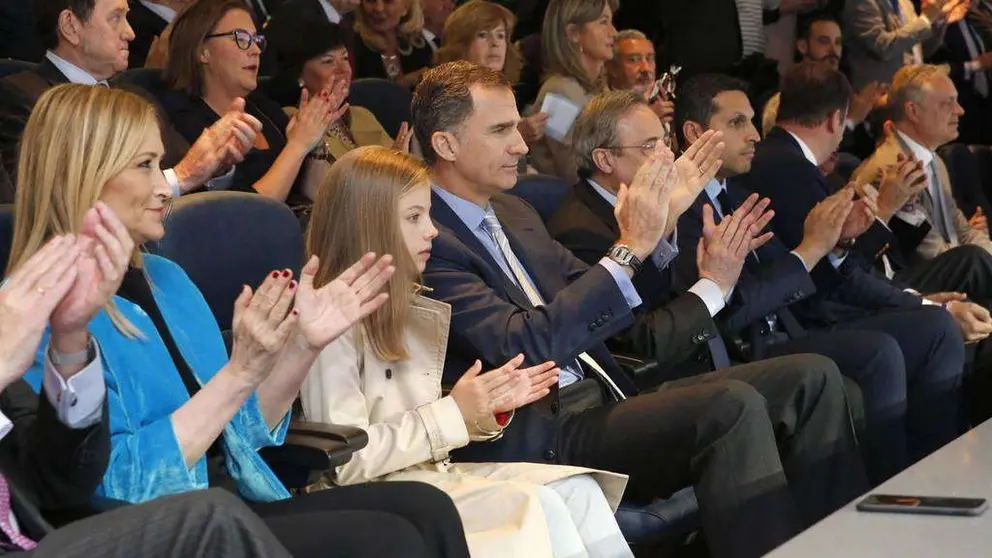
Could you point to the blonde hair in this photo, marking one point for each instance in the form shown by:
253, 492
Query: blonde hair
356, 212
467, 21
411, 29
560, 55
77, 139
909, 83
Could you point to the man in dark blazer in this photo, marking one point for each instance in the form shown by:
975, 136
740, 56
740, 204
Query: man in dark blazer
969, 59
91, 51
55, 447
768, 313
147, 19
811, 116
514, 290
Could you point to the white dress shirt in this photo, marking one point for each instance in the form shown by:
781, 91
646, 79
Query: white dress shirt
164, 12
72, 72
332, 14
431, 39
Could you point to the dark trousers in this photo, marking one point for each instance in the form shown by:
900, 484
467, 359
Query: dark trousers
208, 524
758, 442
966, 269
874, 361
379, 520
933, 352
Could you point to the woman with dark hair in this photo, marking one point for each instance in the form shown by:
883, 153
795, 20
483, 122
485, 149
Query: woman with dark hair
391, 44
308, 60
214, 52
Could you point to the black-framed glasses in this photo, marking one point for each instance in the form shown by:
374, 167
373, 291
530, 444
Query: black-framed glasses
646, 147
243, 38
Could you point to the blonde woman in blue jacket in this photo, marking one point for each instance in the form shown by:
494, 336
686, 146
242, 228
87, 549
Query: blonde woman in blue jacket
183, 416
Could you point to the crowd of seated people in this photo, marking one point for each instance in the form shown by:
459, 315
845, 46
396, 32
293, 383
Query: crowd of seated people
797, 270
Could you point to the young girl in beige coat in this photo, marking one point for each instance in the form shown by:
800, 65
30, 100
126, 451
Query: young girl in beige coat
385, 376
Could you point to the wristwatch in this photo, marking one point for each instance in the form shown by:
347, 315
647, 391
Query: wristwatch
69, 359
624, 256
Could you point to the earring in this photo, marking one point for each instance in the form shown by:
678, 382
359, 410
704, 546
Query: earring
300, 83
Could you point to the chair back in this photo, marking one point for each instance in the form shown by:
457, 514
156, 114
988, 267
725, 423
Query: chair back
389, 102
543, 192
6, 234
224, 240
9, 67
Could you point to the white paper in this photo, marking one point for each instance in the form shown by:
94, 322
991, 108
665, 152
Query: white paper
561, 114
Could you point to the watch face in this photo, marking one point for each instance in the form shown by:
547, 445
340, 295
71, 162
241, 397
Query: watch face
621, 254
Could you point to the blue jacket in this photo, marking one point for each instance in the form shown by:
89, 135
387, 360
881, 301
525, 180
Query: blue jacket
144, 388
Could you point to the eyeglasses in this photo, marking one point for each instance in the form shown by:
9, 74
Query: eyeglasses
646, 147
243, 38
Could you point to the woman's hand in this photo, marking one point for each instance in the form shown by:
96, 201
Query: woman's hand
315, 115
29, 297
262, 323
532, 127
508, 387
331, 310
99, 273
403, 137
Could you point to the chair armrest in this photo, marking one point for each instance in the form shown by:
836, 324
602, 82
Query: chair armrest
635, 367
312, 449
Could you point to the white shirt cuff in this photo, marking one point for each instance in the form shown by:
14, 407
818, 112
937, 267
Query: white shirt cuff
173, 180
805, 265
711, 295
222, 182
837, 261
626, 285
5, 426
78, 401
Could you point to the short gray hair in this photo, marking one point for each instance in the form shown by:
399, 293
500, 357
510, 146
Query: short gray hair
625, 35
598, 126
909, 84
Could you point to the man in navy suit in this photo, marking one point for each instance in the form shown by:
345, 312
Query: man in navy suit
784, 168
512, 289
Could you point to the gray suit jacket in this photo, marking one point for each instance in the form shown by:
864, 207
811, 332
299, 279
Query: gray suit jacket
878, 42
933, 244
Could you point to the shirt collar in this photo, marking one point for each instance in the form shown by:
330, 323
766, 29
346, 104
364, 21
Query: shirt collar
807, 152
164, 12
73, 73
607, 195
714, 187
470, 214
921, 153
332, 15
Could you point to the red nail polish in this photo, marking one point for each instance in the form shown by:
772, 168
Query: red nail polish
285, 273
275, 274
292, 285
296, 312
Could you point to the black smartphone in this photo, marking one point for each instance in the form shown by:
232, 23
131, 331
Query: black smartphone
932, 505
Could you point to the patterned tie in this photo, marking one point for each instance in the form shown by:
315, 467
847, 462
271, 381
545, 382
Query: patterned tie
940, 214
495, 231
15, 536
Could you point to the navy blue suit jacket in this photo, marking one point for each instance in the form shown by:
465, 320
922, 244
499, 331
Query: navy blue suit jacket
794, 185
492, 319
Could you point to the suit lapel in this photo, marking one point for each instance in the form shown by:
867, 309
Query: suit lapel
444, 216
600, 207
523, 237
50, 73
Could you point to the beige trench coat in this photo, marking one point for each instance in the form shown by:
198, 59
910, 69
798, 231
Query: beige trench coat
412, 429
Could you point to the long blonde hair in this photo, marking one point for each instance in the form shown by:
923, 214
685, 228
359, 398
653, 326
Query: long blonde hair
560, 55
356, 212
466, 22
77, 138
411, 29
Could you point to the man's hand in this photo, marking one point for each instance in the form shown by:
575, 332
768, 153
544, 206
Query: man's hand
979, 221
663, 108
724, 247
862, 215
532, 127
863, 101
974, 320
27, 300
900, 182
823, 225
218, 147
696, 167
944, 298
956, 10
642, 209
984, 61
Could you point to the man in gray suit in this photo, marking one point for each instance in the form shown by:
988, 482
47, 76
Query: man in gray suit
885, 35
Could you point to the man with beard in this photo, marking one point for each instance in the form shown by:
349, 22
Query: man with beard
821, 41
633, 67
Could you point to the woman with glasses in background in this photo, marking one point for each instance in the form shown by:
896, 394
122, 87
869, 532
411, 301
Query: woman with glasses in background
214, 53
